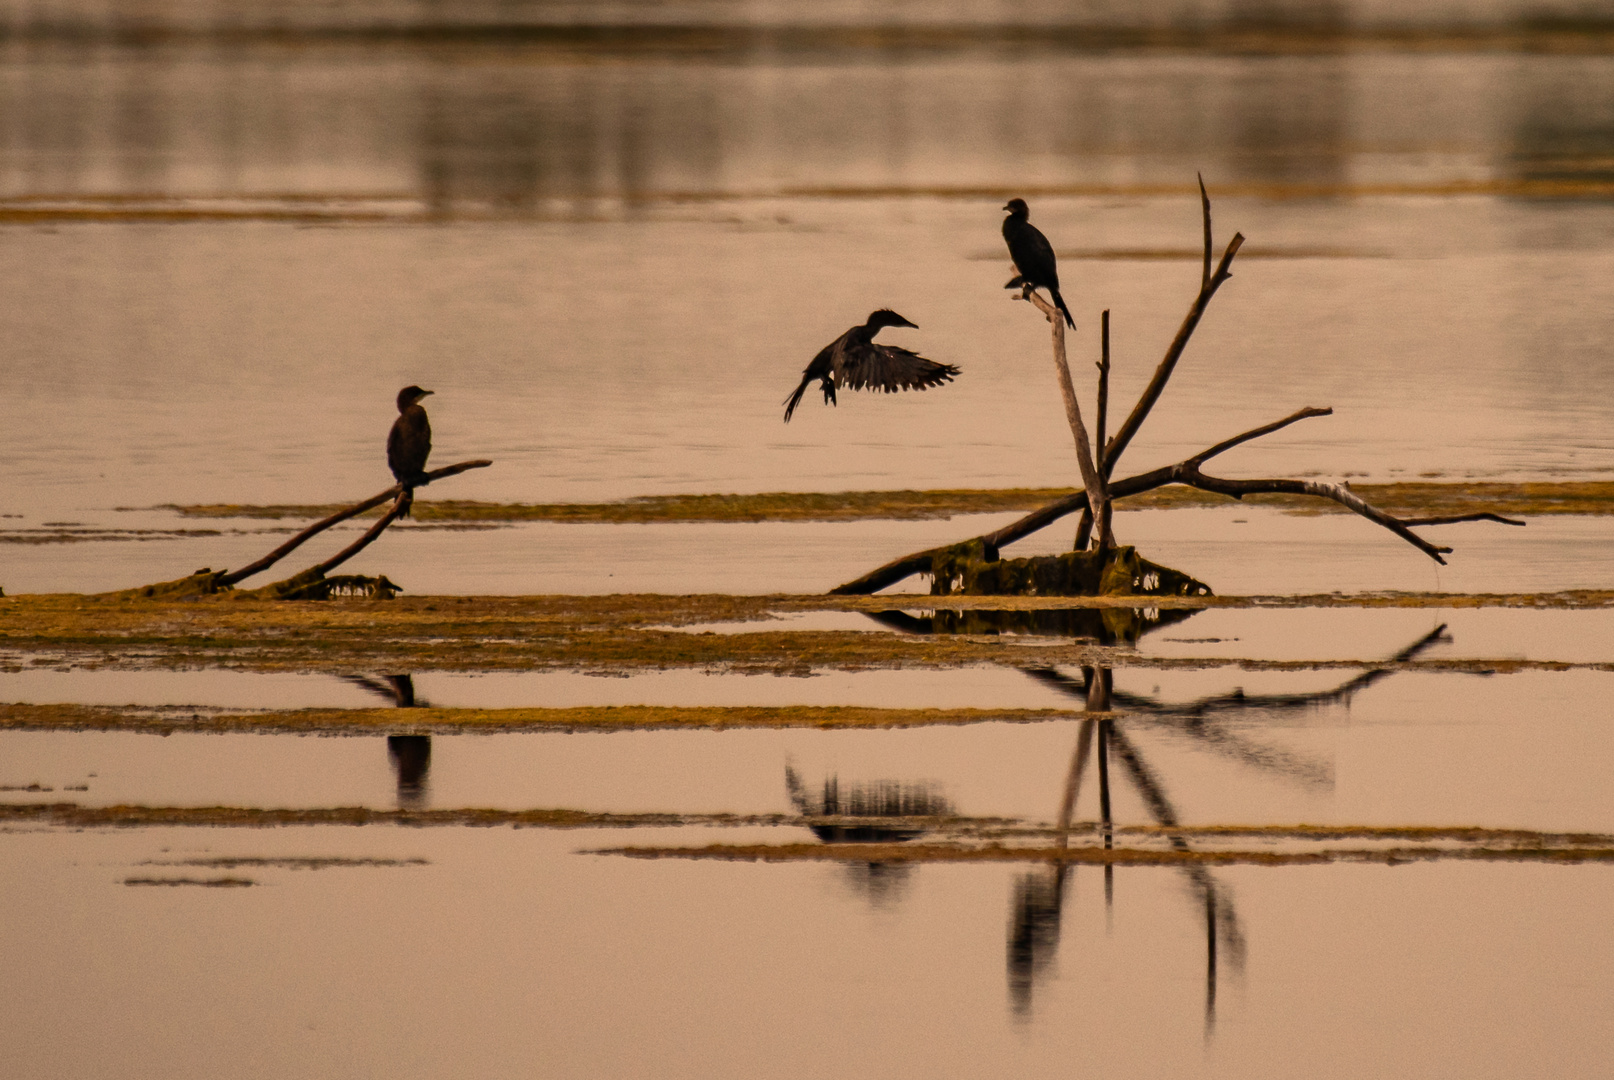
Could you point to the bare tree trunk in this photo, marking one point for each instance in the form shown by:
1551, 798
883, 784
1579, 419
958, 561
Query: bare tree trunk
1084, 530
1092, 478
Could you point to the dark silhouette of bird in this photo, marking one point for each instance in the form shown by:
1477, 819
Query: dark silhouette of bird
409, 442
1032, 254
854, 362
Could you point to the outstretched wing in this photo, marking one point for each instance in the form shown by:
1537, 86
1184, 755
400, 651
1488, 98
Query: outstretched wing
888, 368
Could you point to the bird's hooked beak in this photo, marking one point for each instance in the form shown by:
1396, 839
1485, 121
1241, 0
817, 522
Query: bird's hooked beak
1008, 206
904, 322
427, 393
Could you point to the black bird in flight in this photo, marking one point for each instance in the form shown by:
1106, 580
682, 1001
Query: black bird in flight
409, 442
1032, 254
854, 362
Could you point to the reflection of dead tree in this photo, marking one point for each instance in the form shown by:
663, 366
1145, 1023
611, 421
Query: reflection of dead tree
1097, 468
1037, 906
1202, 719
1221, 920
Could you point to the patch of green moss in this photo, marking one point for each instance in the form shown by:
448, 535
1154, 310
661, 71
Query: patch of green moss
1120, 571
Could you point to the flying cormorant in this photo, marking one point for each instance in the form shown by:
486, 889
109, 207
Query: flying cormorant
1032, 254
409, 442
854, 362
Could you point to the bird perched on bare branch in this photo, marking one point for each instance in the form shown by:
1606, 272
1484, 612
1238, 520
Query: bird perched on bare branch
1032, 254
854, 362
409, 443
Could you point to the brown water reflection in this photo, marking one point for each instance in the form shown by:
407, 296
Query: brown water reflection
527, 131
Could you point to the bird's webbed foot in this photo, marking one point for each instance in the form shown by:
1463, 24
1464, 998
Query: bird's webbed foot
1015, 282
829, 392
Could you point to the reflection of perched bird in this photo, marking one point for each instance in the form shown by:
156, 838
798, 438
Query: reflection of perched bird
1032, 254
855, 362
409, 442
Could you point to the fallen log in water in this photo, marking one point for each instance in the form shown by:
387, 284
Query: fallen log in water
312, 583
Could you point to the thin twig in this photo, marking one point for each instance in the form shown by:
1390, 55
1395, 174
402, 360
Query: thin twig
1452, 519
337, 518
1106, 537
1204, 202
1151, 393
1222, 447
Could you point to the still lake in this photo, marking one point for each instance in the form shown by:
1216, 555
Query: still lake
221, 259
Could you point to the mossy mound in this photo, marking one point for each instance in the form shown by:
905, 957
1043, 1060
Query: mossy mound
204, 582
313, 585
308, 585
970, 569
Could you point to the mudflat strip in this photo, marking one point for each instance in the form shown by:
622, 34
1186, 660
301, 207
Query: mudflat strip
1416, 498
610, 633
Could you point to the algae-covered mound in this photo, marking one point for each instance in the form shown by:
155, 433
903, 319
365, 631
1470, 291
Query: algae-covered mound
311, 584
970, 569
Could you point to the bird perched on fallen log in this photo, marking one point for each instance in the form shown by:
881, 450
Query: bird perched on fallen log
409, 443
1032, 254
854, 362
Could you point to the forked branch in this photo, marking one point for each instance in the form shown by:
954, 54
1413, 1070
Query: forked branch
394, 492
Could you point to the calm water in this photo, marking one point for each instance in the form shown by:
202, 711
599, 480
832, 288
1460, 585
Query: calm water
612, 272
222, 256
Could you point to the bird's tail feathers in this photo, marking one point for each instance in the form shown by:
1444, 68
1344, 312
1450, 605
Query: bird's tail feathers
795, 399
1059, 302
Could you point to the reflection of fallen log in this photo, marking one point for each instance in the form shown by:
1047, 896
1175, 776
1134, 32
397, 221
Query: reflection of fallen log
1099, 491
1104, 625
314, 582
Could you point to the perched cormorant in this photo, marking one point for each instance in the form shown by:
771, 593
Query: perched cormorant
409, 442
855, 362
1032, 254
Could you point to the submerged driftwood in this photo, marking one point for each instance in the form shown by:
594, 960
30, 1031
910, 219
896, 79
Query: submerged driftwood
1098, 465
314, 582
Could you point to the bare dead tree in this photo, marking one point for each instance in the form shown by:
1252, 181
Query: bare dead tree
1099, 492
